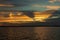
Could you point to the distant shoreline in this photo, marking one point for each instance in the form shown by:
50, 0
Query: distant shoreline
30, 24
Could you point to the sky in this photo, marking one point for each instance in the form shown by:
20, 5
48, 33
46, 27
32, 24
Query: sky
35, 5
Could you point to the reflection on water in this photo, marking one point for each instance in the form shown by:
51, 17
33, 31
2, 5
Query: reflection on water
48, 33
29, 33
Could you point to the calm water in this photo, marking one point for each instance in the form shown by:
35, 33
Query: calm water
29, 33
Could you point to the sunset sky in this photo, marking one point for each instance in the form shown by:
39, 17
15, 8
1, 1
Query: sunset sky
32, 5
37, 5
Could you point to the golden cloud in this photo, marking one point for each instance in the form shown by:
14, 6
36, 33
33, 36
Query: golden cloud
6, 5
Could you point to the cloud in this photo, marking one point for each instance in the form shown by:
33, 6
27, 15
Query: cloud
17, 3
52, 1
48, 7
52, 7
6, 5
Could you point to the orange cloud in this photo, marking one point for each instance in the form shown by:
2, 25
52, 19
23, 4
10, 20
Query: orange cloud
6, 5
41, 16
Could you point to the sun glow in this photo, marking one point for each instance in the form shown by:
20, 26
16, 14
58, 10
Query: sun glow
39, 16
